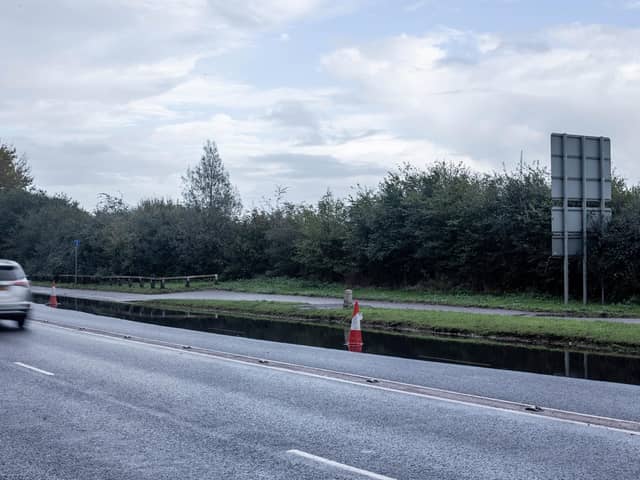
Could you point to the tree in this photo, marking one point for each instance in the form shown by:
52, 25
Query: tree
110, 204
207, 186
323, 249
15, 173
44, 229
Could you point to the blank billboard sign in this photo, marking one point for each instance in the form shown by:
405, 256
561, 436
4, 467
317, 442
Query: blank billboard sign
586, 163
581, 183
580, 189
575, 218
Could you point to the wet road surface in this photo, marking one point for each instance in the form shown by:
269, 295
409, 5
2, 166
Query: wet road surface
77, 405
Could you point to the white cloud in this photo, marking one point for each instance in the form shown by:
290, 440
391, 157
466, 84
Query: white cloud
109, 96
498, 95
416, 5
113, 73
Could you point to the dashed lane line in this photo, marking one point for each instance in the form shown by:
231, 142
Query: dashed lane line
34, 369
338, 465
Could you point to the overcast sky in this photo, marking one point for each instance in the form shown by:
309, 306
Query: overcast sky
118, 96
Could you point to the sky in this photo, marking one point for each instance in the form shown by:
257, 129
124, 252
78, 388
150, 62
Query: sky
118, 96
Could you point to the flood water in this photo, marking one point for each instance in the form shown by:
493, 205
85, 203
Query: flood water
594, 366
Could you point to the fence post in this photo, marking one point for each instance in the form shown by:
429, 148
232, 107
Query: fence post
153, 283
162, 283
187, 282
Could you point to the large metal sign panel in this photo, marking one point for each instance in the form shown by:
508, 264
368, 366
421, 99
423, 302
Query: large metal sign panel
580, 188
574, 219
586, 163
574, 246
581, 182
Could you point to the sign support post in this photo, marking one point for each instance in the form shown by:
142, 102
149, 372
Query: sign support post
602, 203
565, 220
584, 220
76, 245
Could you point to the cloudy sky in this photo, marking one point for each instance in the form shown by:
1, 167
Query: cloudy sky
118, 96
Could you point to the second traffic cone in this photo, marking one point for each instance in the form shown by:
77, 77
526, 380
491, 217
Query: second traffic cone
355, 333
53, 299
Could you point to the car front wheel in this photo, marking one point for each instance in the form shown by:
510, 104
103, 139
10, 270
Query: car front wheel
21, 321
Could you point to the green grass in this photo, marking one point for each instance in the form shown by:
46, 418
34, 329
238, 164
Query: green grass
552, 331
290, 286
511, 301
170, 287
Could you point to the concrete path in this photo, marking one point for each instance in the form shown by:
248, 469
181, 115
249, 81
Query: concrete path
315, 301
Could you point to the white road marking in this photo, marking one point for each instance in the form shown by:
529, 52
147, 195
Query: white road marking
24, 365
341, 466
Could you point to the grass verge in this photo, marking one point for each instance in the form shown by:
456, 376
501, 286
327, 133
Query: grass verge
510, 301
291, 286
578, 334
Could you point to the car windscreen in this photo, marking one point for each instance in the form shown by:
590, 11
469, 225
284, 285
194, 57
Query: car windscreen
9, 272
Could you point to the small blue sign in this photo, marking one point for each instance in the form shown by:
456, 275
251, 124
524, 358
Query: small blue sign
76, 243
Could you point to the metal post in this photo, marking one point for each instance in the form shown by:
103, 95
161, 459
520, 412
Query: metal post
75, 277
602, 207
565, 215
584, 222
567, 364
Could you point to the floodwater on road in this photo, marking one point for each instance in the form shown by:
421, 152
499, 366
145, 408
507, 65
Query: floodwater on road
594, 366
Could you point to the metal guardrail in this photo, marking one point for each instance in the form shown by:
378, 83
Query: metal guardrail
121, 280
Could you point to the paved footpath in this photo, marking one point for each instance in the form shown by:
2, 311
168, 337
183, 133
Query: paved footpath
326, 302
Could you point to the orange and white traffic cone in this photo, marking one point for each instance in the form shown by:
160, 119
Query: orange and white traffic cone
53, 299
355, 334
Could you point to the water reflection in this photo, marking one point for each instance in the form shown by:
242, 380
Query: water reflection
615, 368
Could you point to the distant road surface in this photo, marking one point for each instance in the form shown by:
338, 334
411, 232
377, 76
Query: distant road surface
141, 401
317, 301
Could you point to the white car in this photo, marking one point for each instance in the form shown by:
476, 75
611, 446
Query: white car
15, 293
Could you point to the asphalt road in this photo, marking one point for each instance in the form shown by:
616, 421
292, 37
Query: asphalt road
315, 301
78, 405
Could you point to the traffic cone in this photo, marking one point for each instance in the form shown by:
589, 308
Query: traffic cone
53, 299
355, 334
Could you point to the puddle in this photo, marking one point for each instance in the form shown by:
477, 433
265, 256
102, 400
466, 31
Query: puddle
594, 366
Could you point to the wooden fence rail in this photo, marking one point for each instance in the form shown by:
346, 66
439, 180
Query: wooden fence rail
120, 280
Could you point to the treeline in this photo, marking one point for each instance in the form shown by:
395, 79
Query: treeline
442, 227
